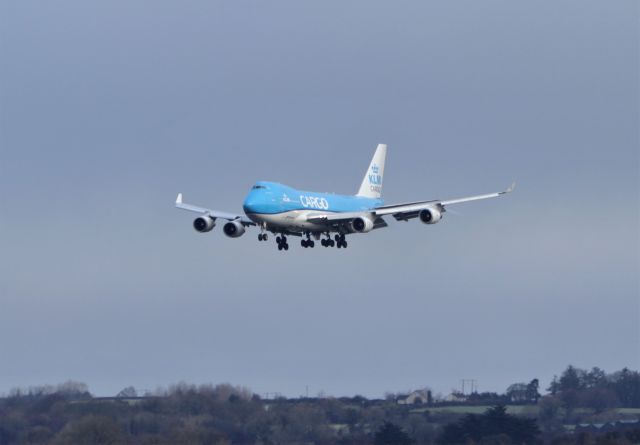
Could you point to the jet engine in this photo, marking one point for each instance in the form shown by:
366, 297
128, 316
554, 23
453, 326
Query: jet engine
204, 224
233, 229
361, 224
430, 215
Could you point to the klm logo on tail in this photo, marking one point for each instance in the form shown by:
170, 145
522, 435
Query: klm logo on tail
374, 177
371, 186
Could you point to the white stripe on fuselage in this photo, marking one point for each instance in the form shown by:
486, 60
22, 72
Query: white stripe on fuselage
294, 220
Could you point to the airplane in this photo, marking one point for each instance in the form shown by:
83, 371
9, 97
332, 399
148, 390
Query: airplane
285, 211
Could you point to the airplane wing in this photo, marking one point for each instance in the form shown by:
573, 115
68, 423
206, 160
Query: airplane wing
404, 212
401, 212
212, 213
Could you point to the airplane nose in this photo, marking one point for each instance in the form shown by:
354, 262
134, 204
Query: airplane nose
249, 205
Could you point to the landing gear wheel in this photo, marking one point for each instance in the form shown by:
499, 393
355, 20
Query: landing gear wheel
303, 243
265, 237
286, 246
279, 246
344, 244
260, 237
311, 244
278, 239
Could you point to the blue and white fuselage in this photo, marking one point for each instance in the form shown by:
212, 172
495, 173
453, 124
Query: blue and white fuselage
282, 207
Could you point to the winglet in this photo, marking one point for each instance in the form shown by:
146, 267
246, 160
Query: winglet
179, 199
509, 190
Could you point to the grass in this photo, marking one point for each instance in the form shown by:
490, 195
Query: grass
511, 409
631, 411
480, 409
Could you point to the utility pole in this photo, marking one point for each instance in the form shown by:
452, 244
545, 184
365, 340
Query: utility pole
472, 382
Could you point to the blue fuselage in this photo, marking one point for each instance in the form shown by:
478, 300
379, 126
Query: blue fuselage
279, 205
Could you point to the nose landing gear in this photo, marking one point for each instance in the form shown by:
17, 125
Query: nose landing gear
263, 233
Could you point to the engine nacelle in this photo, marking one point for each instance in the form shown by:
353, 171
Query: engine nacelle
233, 229
361, 224
430, 215
204, 224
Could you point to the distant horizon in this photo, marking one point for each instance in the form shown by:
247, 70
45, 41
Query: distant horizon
438, 395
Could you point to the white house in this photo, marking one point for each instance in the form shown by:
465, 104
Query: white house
456, 397
414, 398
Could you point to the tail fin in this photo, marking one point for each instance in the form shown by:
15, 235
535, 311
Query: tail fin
371, 186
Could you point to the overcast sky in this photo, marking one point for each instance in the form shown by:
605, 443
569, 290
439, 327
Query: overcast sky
108, 109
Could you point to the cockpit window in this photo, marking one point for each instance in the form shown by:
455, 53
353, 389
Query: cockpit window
255, 187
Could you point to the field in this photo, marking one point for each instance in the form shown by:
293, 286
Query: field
512, 409
520, 410
629, 411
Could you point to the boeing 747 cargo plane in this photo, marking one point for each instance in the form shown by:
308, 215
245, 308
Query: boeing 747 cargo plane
285, 211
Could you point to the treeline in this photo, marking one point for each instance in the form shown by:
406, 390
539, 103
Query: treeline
494, 426
225, 414
575, 388
595, 389
188, 414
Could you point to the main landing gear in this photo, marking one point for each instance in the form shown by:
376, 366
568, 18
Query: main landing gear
308, 242
341, 241
328, 242
282, 242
